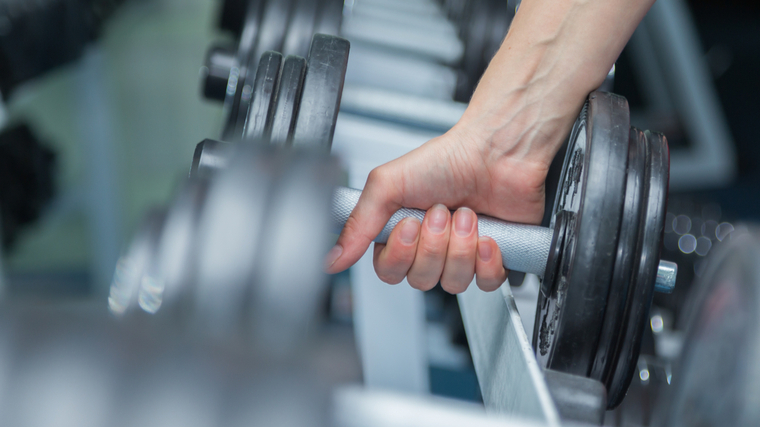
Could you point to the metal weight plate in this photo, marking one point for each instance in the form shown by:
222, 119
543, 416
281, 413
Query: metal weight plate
172, 268
474, 32
500, 21
230, 228
274, 26
262, 98
301, 28
330, 17
288, 100
604, 362
569, 316
648, 248
127, 278
322, 89
716, 375
296, 229
236, 84
209, 157
231, 16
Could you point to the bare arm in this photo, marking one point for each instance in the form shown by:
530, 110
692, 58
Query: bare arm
495, 159
555, 54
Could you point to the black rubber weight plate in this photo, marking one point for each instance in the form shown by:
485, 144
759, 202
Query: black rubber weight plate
593, 184
645, 268
322, 89
329, 17
286, 107
617, 301
274, 25
236, 84
261, 109
300, 28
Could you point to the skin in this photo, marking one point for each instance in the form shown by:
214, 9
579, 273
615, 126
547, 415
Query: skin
494, 161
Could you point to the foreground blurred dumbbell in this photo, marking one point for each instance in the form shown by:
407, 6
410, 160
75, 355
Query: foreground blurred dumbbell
77, 366
240, 250
716, 373
599, 261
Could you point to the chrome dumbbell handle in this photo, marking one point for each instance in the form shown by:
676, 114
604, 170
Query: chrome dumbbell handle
523, 247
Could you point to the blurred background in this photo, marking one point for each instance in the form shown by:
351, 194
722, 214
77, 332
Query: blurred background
119, 113
101, 110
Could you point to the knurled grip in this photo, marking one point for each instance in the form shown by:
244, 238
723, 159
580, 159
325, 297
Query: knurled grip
523, 247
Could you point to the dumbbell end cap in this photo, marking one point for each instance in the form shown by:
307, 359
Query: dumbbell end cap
666, 277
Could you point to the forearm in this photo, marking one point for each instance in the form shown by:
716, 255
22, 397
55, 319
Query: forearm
556, 52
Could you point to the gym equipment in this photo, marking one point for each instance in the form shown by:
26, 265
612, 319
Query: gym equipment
220, 258
600, 263
269, 107
37, 37
482, 24
715, 376
599, 260
76, 365
396, 47
27, 185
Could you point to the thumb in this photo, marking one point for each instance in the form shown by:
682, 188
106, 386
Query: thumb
375, 207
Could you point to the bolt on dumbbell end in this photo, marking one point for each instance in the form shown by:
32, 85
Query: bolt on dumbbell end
666, 277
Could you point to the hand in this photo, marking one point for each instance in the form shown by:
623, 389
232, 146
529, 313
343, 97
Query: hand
455, 171
495, 160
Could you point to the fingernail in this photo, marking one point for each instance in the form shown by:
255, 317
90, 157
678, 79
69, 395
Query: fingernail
409, 231
333, 255
485, 251
464, 222
439, 215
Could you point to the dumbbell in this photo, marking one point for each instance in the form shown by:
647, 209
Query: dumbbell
717, 367
219, 260
394, 50
74, 365
483, 24
599, 260
276, 86
228, 74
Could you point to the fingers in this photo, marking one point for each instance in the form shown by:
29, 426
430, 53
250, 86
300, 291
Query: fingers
431, 249
393, 260
443, 248
460, 258
489, 271
372, 212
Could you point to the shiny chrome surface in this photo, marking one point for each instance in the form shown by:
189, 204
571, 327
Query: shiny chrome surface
666, 277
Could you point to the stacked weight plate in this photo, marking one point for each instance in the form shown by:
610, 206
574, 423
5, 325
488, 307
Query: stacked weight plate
482, 24
238, 253
405, 46
265, 27
715, 376
597, 289
278, 88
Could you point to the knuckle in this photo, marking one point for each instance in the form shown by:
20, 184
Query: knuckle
429, 249
377, 175
458, 253
396, 256
351, 227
